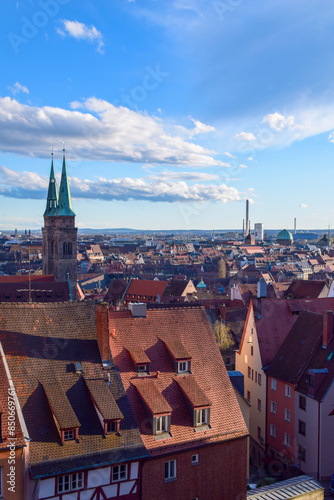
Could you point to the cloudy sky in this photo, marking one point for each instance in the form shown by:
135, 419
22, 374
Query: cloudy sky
173, 113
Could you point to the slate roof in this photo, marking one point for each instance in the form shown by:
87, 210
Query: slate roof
48, 341
191, 327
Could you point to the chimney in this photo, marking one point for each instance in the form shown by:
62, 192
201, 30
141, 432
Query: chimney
102, 329
327, 328
261, 288
138, 309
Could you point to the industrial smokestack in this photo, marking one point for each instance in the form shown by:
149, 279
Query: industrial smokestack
295, 225
243, 228
247, 217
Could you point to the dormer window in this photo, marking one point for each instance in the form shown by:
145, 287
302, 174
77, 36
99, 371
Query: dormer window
140, 360
111, 426
162, 424
69, 435
202, 416
183, 366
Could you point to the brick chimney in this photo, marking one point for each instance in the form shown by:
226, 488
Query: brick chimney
102, 329
328, 324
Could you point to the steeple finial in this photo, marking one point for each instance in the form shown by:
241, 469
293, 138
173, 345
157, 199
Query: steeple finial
52, 199
64, 199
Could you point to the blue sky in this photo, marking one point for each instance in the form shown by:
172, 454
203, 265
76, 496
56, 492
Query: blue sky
173, 113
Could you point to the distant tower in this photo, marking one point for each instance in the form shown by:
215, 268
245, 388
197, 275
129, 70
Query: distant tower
258, 231
60, 233
295, 226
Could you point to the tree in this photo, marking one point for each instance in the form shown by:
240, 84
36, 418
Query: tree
223, 335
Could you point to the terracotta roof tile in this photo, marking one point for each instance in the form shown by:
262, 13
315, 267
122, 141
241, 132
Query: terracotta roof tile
193, 392
138, 355
104, 400
149, 391
177, 349
60, 405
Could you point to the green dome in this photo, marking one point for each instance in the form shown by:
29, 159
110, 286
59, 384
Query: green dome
284, 235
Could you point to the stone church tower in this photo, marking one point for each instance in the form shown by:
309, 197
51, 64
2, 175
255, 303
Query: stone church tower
60, 233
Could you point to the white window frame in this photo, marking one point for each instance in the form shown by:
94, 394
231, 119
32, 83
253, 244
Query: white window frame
287, 439
273, 407
69, 435
273, 384
119, 473
141, 368
202, 417
170, 470
273, 430
161, 424
66, 482
259, 378
287, 415
182, 366
194, 459
287, 391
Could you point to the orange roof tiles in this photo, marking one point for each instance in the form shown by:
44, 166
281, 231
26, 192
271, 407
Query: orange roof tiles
193, 391
191, 327
138, 355
177, 349
152, 396
60, 405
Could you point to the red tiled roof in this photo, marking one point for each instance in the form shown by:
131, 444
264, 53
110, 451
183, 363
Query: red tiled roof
18, 278
177, 349
147, 287
152, 396
193, 392
102, 396
192, 328
138, 355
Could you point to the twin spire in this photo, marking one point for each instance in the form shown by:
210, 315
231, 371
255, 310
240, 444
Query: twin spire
61, 204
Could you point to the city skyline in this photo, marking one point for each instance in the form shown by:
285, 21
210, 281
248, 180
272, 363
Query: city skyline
172, 114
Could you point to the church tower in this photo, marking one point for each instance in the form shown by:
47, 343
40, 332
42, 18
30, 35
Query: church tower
60, 233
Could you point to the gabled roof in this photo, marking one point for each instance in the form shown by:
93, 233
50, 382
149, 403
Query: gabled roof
274, 319
297, 348
306, 289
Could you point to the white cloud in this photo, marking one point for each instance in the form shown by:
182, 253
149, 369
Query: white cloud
331, 137
241, 165
99, 131
25, 185
81, 31
245, 136
200, 128
185, 176
303, 205
230, 155
279, 122
17, 87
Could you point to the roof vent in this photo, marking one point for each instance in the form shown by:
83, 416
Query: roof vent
78, 367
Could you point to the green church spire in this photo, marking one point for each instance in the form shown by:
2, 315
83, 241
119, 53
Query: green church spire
64, 199
52, 200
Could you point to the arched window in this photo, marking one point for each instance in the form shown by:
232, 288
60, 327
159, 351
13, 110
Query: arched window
69, 248
64, 248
